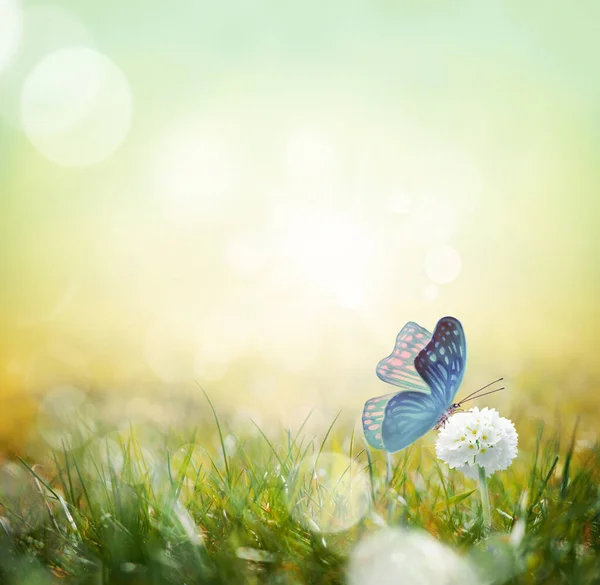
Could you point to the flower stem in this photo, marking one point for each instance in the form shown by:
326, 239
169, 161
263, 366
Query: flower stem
388, 468
485, 501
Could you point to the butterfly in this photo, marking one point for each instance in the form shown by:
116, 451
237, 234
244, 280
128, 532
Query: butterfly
428, 368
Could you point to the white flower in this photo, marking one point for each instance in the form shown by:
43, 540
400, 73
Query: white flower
394, 555
477, 438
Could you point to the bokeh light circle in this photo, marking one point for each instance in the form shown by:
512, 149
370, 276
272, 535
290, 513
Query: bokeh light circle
76, 107
108, 452
66, 418
11, 30
393, 556
139, 449
442, 264
329, 493
45, 29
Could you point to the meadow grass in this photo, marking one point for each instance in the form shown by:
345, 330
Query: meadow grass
205, 506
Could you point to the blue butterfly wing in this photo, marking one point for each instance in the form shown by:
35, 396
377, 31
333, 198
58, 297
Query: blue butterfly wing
408, 416
398, 369
442, 362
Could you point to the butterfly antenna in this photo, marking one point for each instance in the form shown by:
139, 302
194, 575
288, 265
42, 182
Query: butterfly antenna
482, 388
480, 395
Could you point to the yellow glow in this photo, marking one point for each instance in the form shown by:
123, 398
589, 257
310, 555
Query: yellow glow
196, 173
442, 264
330, 251
308, 154
284, 201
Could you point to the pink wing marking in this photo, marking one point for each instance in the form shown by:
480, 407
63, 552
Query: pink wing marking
398, 368
372, 418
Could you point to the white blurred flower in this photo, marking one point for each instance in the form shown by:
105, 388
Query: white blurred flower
392, 556
477, 438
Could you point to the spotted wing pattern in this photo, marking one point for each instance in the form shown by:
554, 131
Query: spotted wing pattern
429, 370
398, 368
408, 416
372, 418
441, 364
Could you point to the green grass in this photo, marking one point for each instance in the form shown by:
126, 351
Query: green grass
201, 506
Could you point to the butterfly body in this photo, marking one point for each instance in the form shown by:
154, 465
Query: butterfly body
444, 418
428, 369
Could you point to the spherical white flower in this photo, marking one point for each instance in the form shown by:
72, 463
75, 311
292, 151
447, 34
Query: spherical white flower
477, 438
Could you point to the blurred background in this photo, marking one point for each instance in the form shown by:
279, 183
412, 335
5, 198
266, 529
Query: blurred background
256, 197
